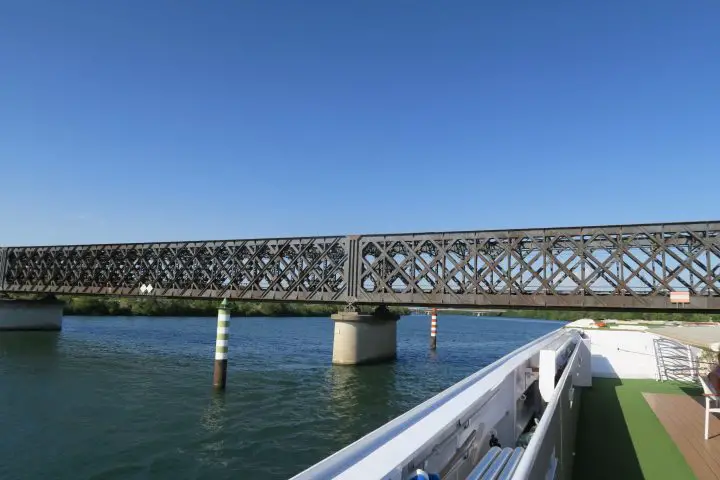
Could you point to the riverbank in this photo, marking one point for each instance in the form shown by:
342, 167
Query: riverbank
571, 315
201, 308
164, 307
192, 308
167, 307
172, 307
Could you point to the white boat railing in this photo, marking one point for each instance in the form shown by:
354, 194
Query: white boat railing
549, 455
675, 360
441, 430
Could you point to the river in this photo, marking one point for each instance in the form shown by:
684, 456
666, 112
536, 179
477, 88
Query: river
113, 397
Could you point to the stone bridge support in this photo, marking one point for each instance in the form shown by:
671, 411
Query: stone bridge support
361, 339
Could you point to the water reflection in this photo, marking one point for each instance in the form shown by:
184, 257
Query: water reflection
361, 398
213, 418
211, 450
29, 344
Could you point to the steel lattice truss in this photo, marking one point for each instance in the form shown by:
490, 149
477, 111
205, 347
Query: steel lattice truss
615, 267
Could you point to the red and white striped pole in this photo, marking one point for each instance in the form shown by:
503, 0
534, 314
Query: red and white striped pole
433, 328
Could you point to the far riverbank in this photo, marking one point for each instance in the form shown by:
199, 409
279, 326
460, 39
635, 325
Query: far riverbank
169, 307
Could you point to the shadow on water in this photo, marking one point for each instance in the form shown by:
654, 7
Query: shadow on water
361, 399
603, 447
29, 344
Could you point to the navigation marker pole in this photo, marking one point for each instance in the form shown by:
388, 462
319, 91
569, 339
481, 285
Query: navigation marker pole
433, 329
221, 346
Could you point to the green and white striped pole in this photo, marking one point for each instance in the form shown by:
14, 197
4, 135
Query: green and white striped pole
221, 346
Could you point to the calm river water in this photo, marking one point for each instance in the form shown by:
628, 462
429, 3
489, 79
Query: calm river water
131, 397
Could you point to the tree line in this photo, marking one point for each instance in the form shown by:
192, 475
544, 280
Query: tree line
172, 307
176, 307
571, 315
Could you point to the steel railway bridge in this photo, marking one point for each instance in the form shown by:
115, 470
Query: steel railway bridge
634, 267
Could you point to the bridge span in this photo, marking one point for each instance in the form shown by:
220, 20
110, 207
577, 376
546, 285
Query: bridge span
597, 267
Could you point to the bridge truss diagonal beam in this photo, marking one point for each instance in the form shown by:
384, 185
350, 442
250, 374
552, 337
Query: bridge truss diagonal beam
605, 267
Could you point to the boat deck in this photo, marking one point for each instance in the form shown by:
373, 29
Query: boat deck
643, 429
684, 419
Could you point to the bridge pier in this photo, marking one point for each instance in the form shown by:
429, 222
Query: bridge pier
29, 315
361, 339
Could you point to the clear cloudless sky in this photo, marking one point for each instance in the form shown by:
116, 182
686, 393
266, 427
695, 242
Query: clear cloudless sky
165, 120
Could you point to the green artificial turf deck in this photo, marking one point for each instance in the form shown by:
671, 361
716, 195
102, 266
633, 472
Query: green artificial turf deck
619, 436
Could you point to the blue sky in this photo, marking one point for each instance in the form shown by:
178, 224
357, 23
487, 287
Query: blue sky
164, 120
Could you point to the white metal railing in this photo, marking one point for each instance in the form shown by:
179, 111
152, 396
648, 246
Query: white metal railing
549, 454
675, 360
390, 452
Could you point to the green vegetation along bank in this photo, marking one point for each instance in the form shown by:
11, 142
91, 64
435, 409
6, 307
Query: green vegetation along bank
198, 308
571, 315
144, 306
123, 306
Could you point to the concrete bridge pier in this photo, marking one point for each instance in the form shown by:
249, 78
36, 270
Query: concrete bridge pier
31, 315
361, 339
